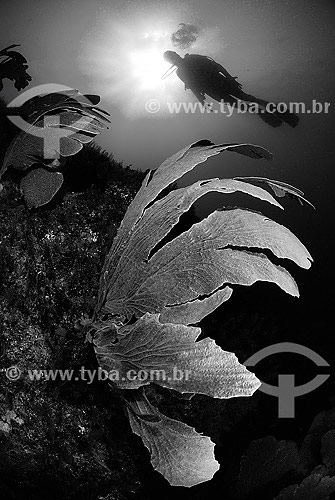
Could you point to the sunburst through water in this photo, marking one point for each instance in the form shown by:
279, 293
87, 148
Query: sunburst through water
125, 63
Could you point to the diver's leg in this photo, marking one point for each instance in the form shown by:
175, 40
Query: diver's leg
249, 100
243, 96
290, 118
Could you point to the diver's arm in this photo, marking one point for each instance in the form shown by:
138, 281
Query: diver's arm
218, 66
222, 70
202, 99
226, 73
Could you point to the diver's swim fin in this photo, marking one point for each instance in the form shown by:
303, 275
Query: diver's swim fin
277, 119
274, 119
290, 118
270, 118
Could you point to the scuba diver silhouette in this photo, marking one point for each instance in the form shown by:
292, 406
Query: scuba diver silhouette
202, 75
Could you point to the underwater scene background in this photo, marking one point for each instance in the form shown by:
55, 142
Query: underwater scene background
61, 440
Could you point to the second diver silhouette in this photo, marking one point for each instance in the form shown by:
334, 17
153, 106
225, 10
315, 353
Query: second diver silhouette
202, 75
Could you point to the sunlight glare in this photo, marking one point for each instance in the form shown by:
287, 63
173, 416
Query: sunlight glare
126, 66
148, 67
124, 60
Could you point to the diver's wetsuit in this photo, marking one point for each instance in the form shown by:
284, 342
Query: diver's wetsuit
203, 75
